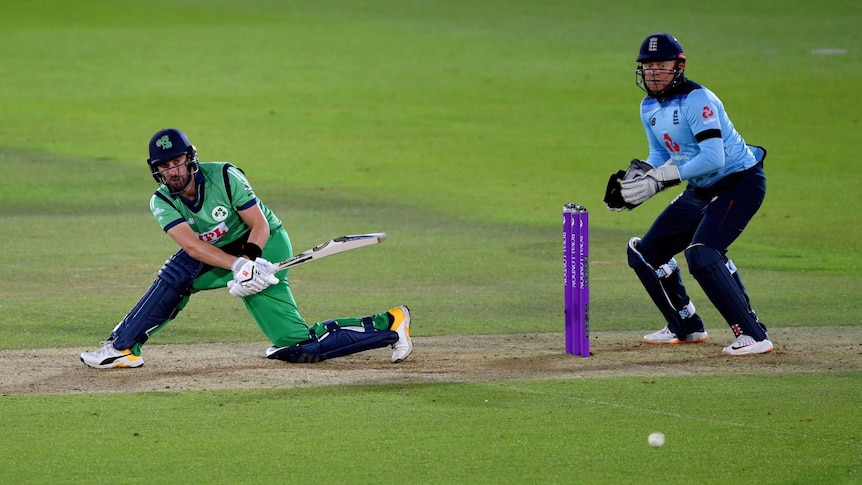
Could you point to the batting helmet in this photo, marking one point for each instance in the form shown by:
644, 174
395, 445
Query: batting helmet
168, 144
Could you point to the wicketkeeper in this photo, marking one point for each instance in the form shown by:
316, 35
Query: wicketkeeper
691, 138
227, 238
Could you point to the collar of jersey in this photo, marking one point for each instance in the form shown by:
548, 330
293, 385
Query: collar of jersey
195, 205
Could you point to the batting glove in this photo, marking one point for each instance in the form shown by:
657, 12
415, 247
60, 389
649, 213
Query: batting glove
250, 277
639, 189
265, 268
238, 290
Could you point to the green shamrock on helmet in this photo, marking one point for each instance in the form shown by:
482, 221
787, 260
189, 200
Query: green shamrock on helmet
164, 142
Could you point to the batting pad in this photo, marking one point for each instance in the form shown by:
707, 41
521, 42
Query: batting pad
337, 342
161, 302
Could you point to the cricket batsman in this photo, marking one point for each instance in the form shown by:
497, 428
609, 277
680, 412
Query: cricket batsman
227, 238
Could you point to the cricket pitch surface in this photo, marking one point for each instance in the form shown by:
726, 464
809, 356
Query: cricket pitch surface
435, 359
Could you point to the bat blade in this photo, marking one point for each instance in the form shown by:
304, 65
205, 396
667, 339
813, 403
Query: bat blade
333, 246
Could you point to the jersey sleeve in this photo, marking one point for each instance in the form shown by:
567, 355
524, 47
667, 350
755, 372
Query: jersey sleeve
710, 159
703, 114
165, 213
241, 192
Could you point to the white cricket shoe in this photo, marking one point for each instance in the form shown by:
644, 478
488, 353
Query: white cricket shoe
401, 325
108, 357
666, 337
746, 345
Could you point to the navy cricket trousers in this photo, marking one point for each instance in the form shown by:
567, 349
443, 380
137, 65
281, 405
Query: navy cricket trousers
714, 216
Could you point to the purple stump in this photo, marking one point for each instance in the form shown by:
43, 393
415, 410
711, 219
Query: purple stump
576, 259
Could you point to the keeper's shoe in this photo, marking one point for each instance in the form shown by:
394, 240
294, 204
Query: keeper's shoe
746, 345
401, 325
666, 337
108, 357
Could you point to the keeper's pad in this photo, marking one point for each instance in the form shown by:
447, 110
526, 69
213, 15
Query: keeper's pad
336, 342
664, 286
724, 290
161, 303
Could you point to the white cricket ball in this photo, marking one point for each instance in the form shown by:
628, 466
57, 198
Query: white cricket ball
656, 439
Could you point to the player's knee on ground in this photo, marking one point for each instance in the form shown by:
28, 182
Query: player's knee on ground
337, 342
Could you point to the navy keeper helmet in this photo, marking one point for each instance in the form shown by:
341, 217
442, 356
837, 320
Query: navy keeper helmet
168, 144
661, 47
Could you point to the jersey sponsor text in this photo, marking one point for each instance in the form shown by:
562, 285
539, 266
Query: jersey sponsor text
215, 234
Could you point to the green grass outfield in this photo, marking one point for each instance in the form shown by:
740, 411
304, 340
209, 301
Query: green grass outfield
460, 128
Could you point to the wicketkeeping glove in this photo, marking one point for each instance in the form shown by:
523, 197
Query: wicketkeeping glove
250, 277
639, 189
613, 193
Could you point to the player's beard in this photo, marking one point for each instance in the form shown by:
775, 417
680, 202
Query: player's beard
179, 183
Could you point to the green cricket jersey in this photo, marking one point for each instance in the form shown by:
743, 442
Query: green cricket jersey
222, 190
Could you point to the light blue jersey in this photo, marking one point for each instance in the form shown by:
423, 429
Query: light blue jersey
691, 128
